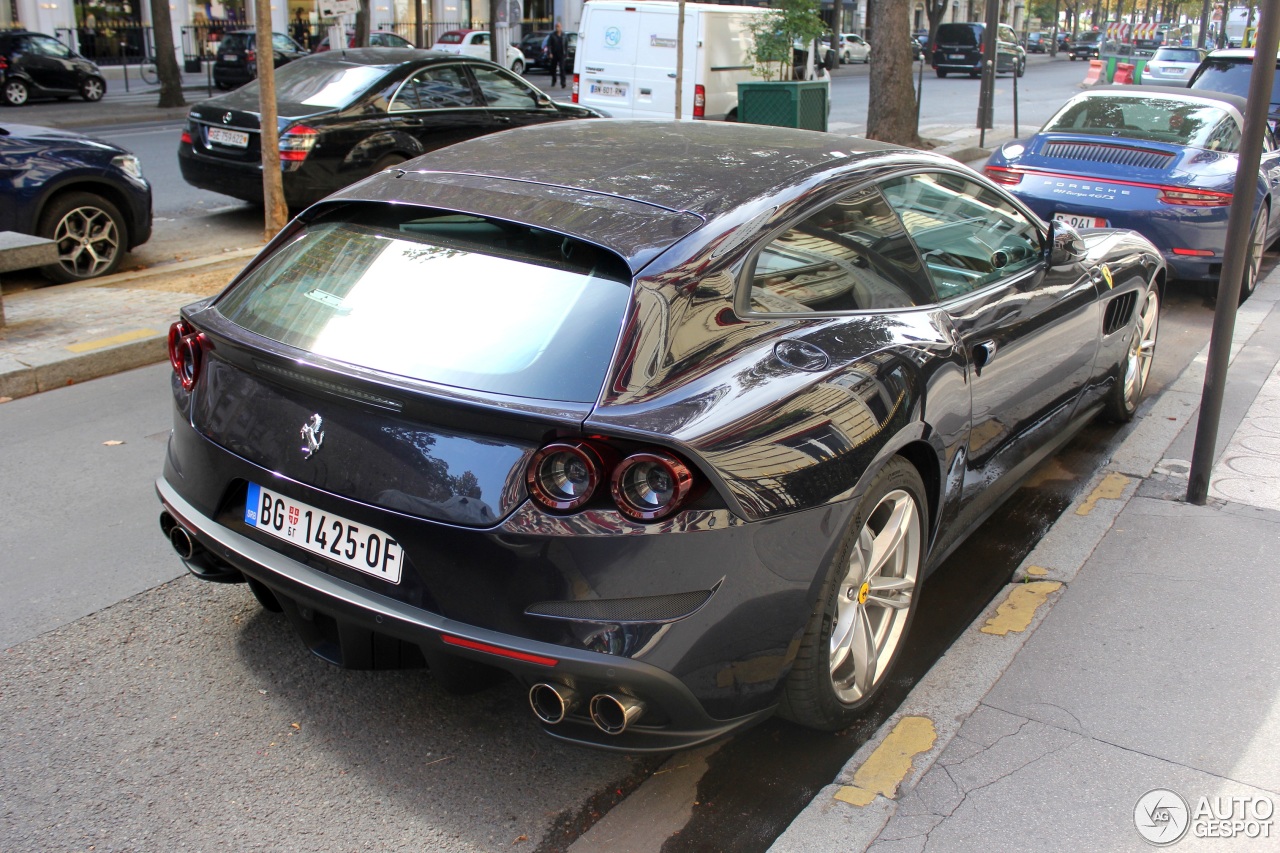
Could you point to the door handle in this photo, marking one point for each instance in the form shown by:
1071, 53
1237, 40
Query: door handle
983, 352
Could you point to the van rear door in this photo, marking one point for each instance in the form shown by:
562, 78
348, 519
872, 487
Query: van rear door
605, 64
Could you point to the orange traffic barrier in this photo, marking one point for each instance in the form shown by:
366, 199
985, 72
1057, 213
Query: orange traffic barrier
1095, 73
1124, 73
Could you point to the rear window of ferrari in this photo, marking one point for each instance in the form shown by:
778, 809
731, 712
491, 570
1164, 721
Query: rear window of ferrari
446, 298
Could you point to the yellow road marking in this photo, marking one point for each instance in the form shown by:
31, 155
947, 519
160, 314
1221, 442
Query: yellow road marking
123, 338
890, 763
1112, 486
1015, 613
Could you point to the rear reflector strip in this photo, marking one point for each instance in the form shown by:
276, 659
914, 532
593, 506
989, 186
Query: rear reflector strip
1194, 253
462, 642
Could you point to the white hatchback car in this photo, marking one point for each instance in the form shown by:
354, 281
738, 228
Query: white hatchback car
1172, 66
476, 43
854, 48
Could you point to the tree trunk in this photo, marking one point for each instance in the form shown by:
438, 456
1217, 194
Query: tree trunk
891, 108
363, 14
494, 54
277, 213
166, 60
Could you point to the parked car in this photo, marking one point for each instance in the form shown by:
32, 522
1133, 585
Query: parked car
1064, 42
1038, 42
917, 50
1159, 160
1172, 66
959, 48
476, 43
34, 65
346, 115
854, 48
531, 46
237, 59
674, 444
1086, 46
1228, 70
377, 38
86, 195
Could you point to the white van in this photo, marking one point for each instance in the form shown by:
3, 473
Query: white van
626, 61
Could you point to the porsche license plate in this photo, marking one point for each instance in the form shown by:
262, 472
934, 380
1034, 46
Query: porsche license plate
1077, 221
365, 549
230, 138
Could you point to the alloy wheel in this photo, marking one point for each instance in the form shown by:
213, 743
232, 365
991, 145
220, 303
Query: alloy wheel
15, 93
873, 602
1253, 259
88, 241
1142, 350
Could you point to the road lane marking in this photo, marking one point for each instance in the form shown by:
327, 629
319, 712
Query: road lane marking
890, 762
122, 338
1015, 612
1111, 487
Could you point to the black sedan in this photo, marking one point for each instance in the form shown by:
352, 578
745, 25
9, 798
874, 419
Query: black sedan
672, 438
347, 114
86, 195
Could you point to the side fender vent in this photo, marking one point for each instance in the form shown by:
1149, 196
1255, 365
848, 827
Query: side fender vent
1119, 312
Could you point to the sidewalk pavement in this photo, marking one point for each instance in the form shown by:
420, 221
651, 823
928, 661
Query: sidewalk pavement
1124, 687
1136, 649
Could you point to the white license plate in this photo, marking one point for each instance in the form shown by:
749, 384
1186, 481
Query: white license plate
365, 549
955, 56
231, 138
608, 90
1078, 221
230, 57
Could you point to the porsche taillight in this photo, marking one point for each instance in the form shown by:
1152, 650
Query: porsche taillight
186, 353
1003, 175
1193, 198
646, 484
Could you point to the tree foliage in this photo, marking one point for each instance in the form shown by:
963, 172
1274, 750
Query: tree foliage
776, 34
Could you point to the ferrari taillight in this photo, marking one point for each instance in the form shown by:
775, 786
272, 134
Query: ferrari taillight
186, 353
646, 484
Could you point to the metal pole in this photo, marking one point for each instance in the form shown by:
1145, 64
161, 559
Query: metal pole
1233, 262
986, 94
1015, 102
680, 61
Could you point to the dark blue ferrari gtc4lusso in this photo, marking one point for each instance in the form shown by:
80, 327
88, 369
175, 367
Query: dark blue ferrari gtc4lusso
1161, 161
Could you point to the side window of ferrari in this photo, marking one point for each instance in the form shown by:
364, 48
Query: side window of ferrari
852, 255
968, 235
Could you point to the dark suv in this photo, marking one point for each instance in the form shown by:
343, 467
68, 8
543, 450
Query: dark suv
34, 65
237, 61
1228, 70
1086, 46
959, 48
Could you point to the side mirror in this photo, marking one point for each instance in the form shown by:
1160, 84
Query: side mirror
1066, 246
830, 60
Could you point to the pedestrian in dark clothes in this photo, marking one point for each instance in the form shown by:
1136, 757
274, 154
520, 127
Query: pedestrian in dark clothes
555, 45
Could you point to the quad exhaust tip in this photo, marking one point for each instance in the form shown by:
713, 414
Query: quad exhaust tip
551, 703
614, 712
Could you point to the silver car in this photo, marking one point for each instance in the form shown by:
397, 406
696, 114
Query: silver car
1172, 66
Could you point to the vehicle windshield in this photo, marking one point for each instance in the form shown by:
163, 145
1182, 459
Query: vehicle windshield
1224, 75
1088, 38
452, 299
1155, 119
321, 84
1176, 54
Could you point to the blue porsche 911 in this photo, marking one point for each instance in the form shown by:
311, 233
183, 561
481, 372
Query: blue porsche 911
1161, 161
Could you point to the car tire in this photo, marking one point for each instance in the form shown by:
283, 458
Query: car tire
975, 74
849, 648
93, 88
1253, 257
940, 72
15, 92
1126, 393
90, 233
1022, 68
518, 66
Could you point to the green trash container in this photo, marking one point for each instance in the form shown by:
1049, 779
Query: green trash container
794, 103
1109, 68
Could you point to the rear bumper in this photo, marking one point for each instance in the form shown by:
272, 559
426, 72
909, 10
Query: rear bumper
348, 625
242, 180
